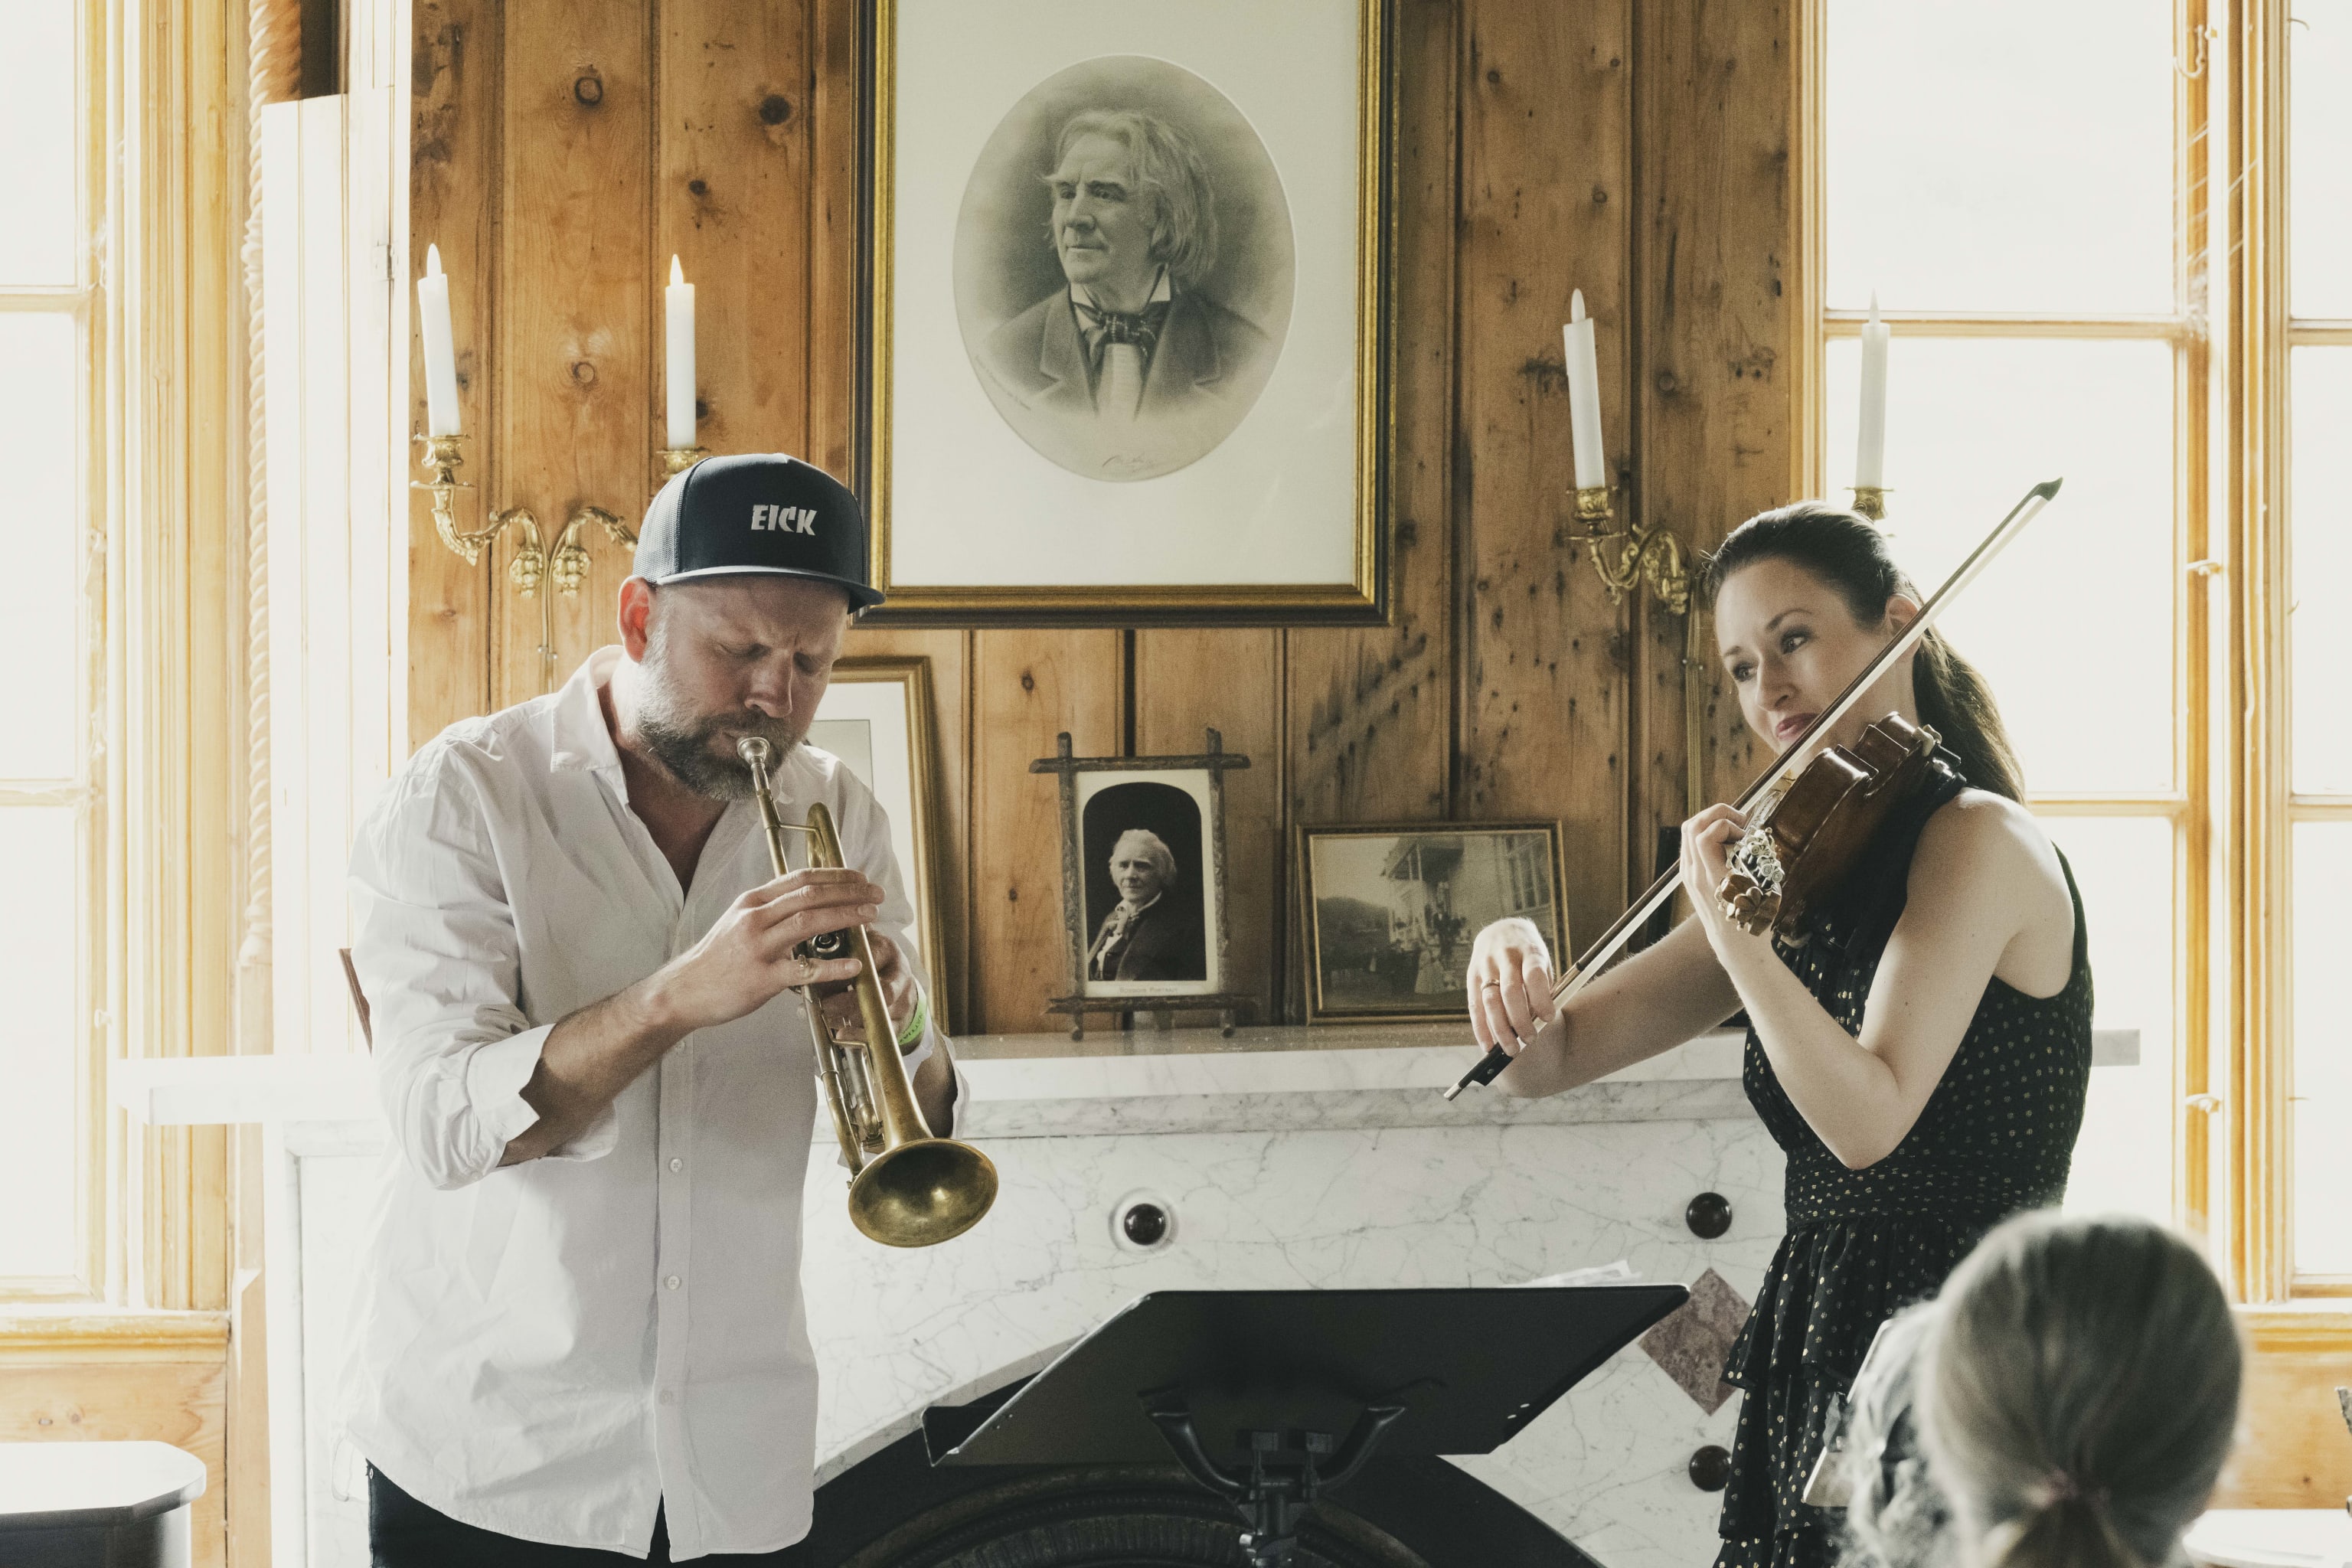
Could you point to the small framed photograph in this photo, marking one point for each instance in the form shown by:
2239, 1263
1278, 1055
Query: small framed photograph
1143, 883
1125, 355
1393, 909
1151, 896
876, 717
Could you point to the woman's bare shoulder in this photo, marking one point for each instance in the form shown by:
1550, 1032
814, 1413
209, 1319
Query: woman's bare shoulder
1983, 857
1978, 833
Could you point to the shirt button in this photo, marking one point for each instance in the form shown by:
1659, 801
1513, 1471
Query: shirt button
672, 1281
677, 1165
668, 1397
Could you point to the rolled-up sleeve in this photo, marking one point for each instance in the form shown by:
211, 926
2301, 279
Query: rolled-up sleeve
435, 944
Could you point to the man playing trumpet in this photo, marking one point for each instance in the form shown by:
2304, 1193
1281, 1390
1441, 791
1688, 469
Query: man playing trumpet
582, 1324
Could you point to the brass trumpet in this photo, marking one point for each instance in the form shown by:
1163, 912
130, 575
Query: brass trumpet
906, 1188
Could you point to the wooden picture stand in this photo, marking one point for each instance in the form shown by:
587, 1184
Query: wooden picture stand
1231, 1006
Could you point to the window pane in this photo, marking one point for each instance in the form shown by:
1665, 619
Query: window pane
2319, 503
40, 537
1999, 156
2319, 159
38, 974
2087, 592
39, 126
2323, 1049
2123, 867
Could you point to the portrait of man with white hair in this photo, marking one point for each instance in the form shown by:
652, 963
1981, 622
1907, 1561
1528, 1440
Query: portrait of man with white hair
1149, 934
1130, 368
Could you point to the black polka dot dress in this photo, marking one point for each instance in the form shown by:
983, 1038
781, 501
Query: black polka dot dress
1996, 1136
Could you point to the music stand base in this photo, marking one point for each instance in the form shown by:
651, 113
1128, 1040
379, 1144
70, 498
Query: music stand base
1271, 1495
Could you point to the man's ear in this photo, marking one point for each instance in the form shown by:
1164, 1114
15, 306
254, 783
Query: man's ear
636, 616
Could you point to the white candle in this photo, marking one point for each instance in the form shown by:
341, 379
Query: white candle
1870, 450
1584, 397
680, 339
440, 349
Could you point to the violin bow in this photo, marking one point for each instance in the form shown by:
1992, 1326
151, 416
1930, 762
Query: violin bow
1590, 962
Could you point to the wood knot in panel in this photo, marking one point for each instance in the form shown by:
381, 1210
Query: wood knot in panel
588, 90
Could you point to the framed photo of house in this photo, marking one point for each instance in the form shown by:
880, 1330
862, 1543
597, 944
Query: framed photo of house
876, 717
1392, 911
1124, 359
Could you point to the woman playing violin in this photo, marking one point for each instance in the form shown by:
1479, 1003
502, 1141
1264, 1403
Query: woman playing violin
1919, 1048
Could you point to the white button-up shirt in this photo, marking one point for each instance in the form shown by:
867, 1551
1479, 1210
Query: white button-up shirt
552, 1349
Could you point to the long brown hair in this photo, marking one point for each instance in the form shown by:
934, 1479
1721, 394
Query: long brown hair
1846, 551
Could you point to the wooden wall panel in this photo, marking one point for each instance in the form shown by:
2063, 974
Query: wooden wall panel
1187, 682
731, 202
452, 203
1718, 341
1370, 712
1507, 685
2293, 1450
576, 306
1027, 687
1544, 161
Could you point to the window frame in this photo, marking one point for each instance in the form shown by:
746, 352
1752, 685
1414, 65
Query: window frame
2262, 499
157, 303
84, 298
2192, 805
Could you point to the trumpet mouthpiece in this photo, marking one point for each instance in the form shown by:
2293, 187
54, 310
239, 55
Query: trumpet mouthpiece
753, 750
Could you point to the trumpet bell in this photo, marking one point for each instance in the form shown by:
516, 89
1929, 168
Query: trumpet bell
924, 1191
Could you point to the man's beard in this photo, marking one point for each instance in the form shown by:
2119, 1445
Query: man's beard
681, 739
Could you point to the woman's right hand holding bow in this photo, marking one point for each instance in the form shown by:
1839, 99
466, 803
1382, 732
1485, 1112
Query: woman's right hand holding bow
1510, 985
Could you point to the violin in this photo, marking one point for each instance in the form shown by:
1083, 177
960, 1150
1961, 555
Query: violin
1807, 826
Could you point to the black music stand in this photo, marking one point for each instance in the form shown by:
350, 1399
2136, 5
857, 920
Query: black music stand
1252, 1390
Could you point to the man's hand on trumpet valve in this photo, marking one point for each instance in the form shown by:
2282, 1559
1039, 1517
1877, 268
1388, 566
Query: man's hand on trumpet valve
748, 958
898, 992
1510, 985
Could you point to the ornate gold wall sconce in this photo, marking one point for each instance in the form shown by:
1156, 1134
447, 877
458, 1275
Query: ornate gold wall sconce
564, 569
1628, 557
676, 460
443, 456
1870, 500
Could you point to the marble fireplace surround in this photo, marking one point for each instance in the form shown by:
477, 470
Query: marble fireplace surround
1286, 1158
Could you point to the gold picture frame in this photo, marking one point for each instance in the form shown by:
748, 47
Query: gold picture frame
899, 760
1371, 914
1361, 598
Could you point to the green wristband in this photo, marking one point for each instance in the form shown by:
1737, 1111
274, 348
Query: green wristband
917, 1022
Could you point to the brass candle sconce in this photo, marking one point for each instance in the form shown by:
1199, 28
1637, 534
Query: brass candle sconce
1628, 557
1870, 501
676, 460
563, 569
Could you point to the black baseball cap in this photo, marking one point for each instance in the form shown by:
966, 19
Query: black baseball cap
757, 512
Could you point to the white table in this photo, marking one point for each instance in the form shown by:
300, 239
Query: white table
2272, 1538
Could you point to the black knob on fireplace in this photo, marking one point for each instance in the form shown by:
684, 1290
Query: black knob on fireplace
1710, 1468
1709, 1217
1144, 1223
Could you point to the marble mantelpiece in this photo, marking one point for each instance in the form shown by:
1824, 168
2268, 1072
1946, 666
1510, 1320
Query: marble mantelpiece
1286, 1158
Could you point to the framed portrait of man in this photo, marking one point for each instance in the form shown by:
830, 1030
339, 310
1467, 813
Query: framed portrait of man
1125, 355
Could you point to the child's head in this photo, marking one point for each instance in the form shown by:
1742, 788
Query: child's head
2077, 1392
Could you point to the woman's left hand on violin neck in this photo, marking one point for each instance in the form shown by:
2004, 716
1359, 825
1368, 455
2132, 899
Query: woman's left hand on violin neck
1707, 840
